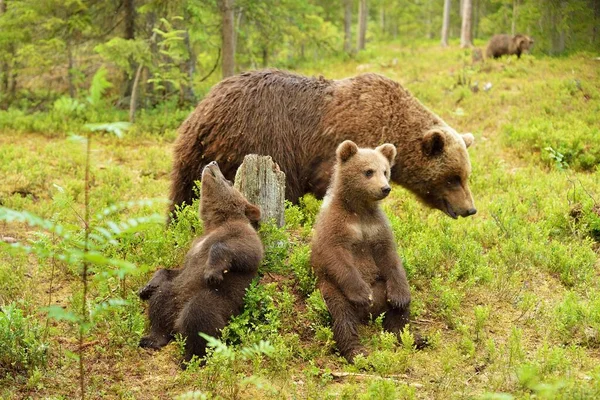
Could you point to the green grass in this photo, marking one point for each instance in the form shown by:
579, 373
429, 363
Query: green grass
509, 298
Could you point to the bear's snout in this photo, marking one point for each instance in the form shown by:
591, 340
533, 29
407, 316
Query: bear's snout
386, 190
470, 211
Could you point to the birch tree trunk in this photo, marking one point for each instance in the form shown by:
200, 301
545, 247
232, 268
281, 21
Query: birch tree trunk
514, 19
261, 181
362, 24
227, 37
348, 26
465, 34
446, 23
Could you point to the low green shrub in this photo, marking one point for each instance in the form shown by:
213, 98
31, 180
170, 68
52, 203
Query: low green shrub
22, 344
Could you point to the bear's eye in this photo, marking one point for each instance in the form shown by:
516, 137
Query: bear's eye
369, 173
454, 181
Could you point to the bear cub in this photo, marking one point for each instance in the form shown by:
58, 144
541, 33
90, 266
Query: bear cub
359, 272
220, 265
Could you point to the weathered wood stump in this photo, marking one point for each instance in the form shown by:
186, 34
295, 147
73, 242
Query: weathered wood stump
261, 181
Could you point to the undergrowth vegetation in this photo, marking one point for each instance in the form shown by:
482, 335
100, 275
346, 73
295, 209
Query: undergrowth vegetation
509, 299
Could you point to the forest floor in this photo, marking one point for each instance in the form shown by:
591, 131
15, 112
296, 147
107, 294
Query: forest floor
509, 298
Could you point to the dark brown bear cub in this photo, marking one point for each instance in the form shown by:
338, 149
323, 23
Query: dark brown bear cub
210, 288
354, 253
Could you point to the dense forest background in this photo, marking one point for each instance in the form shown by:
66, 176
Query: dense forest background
162, 51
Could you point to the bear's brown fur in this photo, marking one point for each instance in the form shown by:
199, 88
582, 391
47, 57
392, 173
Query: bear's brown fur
299, 121
210, 288
354, 253
501, 45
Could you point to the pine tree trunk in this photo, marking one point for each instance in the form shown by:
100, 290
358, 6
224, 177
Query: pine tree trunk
5, 68
348, 26
596, 25
476, 13
465, 34
446, 23
261, 181
129, 34
227, 37
265, 56
362, 24
190, 64
134, 91
514, 19
70, 66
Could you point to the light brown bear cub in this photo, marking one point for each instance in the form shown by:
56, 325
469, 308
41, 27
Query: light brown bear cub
354, 253
210, 288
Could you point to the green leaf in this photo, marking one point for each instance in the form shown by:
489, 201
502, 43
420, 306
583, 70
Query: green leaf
60, 314
112, 127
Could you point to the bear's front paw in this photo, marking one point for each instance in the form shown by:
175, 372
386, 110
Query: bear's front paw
398, 299
213, 277
147, 291
361, 298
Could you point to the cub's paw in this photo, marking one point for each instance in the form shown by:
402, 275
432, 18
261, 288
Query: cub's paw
351, 355
151, 342
397, 299
147, 291
213, 277
361, 298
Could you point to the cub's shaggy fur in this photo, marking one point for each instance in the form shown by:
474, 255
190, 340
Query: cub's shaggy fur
354, 253
210, 288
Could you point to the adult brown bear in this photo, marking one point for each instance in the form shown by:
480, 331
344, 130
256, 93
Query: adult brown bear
300, 121
501, 45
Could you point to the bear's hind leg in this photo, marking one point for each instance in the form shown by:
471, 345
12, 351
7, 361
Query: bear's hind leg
200, 315
161, 312
345, 322
159, 277
396, 319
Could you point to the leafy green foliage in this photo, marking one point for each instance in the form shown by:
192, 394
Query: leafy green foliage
23, 347
276, 244
299, 262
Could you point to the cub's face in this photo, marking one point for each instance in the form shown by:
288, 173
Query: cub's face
364, 174
221, 201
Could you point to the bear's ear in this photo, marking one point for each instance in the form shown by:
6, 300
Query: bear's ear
346, 150
389, 151
252, 213
433, 143
468, 138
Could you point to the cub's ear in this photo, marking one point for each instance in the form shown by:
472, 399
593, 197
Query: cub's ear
468, 138
346, 150
389, 151
252, 213
433, 143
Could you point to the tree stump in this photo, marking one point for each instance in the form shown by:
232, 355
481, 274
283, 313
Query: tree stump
261, 181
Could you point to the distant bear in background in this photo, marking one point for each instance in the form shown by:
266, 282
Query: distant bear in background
359, 272
210, 288
501, 45
300, 121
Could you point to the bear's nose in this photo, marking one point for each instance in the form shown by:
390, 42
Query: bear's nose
471, 211
386, 190
212, 163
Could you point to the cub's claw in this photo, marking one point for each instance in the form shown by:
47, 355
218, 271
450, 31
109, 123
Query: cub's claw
213, 277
